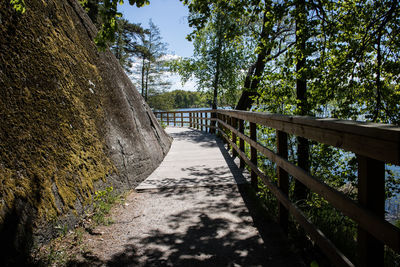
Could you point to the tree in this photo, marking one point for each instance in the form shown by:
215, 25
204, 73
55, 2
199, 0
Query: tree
126, 44
152, 62
106, 12
220, 53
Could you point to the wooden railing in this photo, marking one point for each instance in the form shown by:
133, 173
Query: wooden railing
200, 119
374, 145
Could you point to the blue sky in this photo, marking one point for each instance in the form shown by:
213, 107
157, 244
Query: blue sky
170, 16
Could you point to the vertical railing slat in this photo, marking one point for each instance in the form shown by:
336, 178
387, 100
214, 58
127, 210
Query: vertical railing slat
241, 142
206, 122
234, 137
201, 121
181, 119
371, 194
283, 178
253, 154
167, 118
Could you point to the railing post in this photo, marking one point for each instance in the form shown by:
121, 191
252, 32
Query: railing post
167, 118
234, 137
222, 126
371, 194
217, 126
283, 178
201, 121
213, 115
206, 122
241, 141
190, 119
181, 119
253, 154
174, 119
227, 121
161, 119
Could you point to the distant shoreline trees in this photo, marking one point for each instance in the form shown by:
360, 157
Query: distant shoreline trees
178, 99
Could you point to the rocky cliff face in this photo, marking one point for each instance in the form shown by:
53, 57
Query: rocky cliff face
71, 122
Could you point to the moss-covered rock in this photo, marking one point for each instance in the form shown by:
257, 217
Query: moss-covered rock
71, 122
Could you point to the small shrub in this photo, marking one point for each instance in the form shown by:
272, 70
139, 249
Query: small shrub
163, 124
103, 201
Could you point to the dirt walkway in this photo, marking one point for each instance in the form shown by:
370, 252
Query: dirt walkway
189, 222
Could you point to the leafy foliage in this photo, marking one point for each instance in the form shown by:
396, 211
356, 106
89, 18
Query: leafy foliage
127, 44
107, 13
220, 51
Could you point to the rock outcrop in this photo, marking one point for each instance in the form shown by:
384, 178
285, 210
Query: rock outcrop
71, 122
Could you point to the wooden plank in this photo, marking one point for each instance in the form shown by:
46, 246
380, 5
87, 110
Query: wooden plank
283, 178
167, 119
253, 153
226, 130
337, 257
241, 142
181, 119
234, 136
206, 121
377, 130
371, 195
213, 116
377, 141
379, 228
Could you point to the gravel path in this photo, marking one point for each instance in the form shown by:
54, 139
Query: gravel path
189, 222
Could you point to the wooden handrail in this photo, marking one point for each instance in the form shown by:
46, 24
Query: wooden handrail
377, 141
381, 229
374, 145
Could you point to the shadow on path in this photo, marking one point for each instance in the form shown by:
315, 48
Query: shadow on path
216, 229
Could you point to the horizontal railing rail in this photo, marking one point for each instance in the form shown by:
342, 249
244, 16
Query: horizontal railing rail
373, 144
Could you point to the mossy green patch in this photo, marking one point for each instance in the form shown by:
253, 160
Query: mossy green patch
52, 149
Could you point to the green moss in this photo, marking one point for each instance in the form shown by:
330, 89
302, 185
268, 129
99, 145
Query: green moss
50, 123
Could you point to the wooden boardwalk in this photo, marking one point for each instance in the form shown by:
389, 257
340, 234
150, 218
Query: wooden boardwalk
375, 145
196, 159
199, 213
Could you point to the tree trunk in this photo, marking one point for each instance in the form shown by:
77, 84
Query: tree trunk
378, 78
303, 148
254, 74
143, 70
217, 72
146, 91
